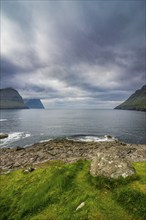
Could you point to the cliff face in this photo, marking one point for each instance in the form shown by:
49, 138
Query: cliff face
11, 99
34, 103
137, 101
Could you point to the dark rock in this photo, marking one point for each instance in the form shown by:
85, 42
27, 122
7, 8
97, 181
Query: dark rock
19, 148
109, 136
2, 136
129, 151
29, 170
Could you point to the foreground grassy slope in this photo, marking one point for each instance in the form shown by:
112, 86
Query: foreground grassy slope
54, 191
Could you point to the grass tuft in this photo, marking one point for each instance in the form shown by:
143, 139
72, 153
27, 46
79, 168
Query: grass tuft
102, 182
132, 200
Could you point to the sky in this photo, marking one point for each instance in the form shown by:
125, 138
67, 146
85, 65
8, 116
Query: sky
73, 54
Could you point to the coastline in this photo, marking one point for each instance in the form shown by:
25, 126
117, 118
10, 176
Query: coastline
68, 151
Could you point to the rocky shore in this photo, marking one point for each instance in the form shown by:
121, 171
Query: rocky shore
68, 151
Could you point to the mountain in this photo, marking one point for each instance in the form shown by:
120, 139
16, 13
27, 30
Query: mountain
11, 99
34, 103
137, 101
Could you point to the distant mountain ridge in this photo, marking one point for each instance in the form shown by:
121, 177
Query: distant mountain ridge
11, 99
34, 103
137, 101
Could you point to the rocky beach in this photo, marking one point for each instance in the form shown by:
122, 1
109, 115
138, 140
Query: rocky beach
68, 151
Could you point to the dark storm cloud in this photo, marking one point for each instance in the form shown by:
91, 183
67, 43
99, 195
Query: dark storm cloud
103, 25
74, 52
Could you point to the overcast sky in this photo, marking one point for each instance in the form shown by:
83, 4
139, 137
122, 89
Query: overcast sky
74, 54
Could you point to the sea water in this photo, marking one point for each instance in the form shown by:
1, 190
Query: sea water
29, 126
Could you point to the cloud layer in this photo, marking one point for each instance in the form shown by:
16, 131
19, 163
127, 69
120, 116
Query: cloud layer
73, 53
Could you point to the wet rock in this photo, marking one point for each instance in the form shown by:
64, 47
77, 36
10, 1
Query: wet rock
109, 164
2, 136
109, 136
19, 148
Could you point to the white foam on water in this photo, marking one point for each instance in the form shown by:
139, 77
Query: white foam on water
43, 141
85, 139
3, 119
27, 135
93, 139
12, 137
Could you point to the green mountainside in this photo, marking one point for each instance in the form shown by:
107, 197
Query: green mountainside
137, 101
11, 99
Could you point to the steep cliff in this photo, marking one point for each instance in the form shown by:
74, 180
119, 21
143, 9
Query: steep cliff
34, 103
11, 99
137, 101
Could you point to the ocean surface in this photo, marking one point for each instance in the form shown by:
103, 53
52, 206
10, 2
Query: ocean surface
29, 126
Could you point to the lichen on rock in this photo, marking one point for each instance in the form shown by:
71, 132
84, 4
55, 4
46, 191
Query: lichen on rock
110, 165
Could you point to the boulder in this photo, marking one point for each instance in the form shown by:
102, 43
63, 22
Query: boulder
110, 165
2, 136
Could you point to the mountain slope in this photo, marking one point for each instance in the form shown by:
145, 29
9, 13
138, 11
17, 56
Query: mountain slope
34, 103
11, 99
137, 101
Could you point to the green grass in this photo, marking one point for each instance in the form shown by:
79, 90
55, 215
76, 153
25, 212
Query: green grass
54, 190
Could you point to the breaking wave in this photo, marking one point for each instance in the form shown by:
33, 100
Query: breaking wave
92, 138
43, 141
3, 119
84, 138
12, 137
